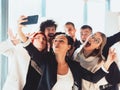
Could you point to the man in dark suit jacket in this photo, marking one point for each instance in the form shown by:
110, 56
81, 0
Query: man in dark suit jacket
71, 30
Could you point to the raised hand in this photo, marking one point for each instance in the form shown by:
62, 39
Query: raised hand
13, 37
111, 58
21, 20
111, 55
22, 36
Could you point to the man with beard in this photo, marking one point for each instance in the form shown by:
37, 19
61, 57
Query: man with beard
48, 27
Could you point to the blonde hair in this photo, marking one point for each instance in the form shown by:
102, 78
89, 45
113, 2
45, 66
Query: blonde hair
98, 52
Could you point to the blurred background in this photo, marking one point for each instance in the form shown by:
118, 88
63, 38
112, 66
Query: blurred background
101, 15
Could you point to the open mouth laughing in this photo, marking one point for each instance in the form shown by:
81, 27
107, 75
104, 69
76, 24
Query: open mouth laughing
88, 44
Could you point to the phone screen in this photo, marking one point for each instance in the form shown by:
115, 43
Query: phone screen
31, 20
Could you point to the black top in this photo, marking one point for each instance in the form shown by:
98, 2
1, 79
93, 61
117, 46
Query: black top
76, 45
32, 79
110, 41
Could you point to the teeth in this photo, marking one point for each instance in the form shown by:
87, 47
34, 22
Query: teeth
87, 44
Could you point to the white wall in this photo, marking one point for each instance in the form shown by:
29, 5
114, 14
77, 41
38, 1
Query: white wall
111, 23
112, 26
115, 5
23, 7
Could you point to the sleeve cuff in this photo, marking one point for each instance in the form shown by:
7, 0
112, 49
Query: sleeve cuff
10, 42
25, 44
104, 69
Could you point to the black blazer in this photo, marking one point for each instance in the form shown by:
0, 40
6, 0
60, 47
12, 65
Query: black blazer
48, 64
110, 41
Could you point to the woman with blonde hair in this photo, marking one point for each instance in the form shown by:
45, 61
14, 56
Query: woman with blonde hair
91, 58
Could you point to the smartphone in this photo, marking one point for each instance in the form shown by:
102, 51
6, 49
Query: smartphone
31, 20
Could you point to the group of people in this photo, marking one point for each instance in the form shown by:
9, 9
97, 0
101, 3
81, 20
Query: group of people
53, 60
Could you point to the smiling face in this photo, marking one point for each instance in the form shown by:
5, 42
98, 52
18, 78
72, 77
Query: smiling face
49, 32
70, 30
95, 45
84, 34
60, 44
40, 42
94, 42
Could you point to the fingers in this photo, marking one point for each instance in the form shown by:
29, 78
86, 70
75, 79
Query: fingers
9, 31
112, 51
10, 34
30, 35
112, 54
21, 20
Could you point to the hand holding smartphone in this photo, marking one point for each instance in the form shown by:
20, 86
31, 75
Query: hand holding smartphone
31, 20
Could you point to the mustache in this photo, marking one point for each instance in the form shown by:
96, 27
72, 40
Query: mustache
51, 34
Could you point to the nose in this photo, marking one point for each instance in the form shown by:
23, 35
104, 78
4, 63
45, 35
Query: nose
91, 39
83, 37
41, 39
51, 31
56, 42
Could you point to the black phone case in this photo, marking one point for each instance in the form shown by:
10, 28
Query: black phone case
31, 20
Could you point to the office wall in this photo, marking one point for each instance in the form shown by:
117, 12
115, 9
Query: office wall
111, 23
112, 26
23, 7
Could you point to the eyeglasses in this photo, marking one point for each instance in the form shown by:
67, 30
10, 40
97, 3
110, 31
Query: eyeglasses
96, 40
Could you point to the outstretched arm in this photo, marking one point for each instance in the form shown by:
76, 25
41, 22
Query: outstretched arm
94, 77
22, 36
32, 50
110, 41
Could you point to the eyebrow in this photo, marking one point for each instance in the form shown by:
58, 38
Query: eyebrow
60, 38
97, 37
